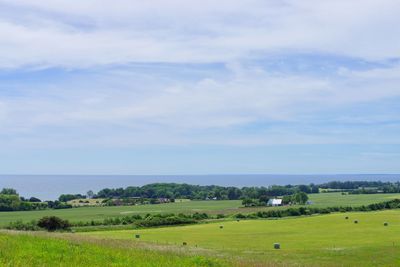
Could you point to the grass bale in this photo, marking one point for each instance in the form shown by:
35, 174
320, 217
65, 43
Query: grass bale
385, 224
184, 244
277, 246
355, 221
137, 236
347, 217
221, 227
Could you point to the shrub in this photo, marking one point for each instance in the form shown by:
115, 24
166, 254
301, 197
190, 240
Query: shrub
53, 223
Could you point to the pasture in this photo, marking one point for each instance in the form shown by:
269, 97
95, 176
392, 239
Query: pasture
24, 249
328, 240
210, 207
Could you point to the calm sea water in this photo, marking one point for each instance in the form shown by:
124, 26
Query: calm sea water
49, 187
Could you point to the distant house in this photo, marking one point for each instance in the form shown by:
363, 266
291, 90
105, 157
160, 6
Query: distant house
274, 202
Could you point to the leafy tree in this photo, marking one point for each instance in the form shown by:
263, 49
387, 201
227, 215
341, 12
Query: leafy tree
300, 198
34, 199
53, 223
8, 191
264, 199
248, 202
69, 197
90, 194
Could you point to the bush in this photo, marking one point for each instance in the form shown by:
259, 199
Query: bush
53, 223
22, 226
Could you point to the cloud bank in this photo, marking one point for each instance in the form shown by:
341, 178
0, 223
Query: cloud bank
188, 73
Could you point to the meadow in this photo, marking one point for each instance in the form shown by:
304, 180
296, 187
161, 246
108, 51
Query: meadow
210, 207
324, 240
27, 249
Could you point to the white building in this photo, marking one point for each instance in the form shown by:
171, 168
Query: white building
274, 202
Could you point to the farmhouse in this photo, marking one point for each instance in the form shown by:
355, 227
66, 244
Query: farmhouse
274, 202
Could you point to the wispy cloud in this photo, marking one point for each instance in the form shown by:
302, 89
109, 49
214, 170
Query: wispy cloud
187, 73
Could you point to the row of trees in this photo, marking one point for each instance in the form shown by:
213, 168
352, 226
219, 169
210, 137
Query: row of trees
363, 187
11, 201
174, 191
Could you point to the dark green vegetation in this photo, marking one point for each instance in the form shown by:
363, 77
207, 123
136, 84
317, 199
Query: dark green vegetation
11, 201
22, 250
172, 190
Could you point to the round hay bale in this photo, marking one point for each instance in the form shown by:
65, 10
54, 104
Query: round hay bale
184, 244
356, 221
137, 236
221, 227
347, 217
277, 246
385, 224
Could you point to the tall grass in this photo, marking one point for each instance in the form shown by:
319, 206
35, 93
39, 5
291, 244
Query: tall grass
26, 250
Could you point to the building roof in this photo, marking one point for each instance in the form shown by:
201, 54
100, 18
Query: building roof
275, 201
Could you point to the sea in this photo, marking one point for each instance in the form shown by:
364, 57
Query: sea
49, 187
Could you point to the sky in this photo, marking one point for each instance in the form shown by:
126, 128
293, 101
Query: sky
199, 87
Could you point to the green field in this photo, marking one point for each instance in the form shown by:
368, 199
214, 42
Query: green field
23, 250
325, 240
211, 207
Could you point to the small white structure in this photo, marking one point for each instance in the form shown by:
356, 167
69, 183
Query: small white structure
274, 202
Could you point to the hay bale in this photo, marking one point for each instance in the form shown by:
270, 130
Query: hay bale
221, 227
277, 246
385, 224
137, 236
347, 217
356, 221
184, 244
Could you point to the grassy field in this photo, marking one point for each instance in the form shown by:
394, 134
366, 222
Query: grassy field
21, 250
212, 207
325, 240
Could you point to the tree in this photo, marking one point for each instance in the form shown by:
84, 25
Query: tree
34, 199
90, 194
247, 202
300, 198
69, 197
53, 223
287, 199
264, 199
8, 191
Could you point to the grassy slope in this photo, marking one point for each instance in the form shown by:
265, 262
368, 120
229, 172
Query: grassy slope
214, 207
25, 250
318, 240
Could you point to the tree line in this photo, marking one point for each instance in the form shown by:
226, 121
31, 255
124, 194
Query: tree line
199, 192
11, 201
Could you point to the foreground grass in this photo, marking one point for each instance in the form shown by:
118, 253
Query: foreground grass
326, 240
32, 250
211, 207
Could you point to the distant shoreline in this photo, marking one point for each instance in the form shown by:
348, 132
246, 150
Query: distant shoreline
51, 186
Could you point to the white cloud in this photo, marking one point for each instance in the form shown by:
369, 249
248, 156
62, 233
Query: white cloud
97, 110
86, 33
110, 105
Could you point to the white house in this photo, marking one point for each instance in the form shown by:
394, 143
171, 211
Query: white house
274, 202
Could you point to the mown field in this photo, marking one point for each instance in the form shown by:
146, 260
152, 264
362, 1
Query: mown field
22, 250
211, 207
324, 240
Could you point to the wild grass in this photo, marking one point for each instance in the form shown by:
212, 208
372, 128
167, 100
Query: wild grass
24, 250
325, 240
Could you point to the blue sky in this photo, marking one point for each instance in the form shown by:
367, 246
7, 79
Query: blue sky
197, 87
